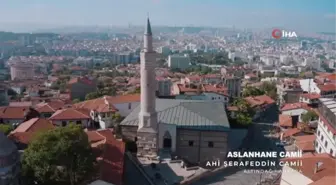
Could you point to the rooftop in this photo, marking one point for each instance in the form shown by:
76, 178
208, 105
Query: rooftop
309, 163
186, 114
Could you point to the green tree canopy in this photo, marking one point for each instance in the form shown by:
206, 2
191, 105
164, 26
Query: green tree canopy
92, 95
76, 101
59, 156
6, 129
252, 91
245, 112
309, 116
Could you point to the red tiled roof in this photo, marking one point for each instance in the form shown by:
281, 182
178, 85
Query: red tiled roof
307, 146
285, 120
305, 138
13, 112
70, 114
128, 98
52, 106
22, 137
112, 157
292, 106
290, 132
259, 100
327, 87
215, 89
99, 104
106, 103
34, 125
83, 80
330, 76
309, 162
325, 181
185, 88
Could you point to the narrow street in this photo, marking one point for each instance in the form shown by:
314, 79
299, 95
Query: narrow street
259, 139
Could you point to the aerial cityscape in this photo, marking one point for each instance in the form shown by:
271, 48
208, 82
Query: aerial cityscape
159, 92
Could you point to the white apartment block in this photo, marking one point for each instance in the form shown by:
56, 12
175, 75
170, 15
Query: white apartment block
326, 130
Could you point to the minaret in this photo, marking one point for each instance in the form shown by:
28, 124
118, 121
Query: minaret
148, 124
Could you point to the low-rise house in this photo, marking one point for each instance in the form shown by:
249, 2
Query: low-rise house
327, 90
212, 79
48, 108
67, 116
289, 90
315, 169
25, 132
106, 106
116, 165
310, 98
305, 143
260, 104
16, 115
295, 110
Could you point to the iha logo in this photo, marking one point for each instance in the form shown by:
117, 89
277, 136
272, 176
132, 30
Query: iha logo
277, 34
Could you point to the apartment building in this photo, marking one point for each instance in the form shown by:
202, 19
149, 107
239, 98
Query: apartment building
326, 130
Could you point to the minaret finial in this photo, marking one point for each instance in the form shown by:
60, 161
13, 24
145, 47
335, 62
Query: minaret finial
148, 30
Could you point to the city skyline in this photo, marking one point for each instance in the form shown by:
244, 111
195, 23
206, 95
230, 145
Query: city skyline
301, 15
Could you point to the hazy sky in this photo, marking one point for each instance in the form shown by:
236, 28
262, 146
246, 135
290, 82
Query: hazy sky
313, 15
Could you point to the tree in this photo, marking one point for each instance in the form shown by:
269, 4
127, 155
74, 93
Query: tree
245, 112
92, 95
136, 91
270, 89
252, 91
6, 129
309, 116
117, 118
76, 101
59, 156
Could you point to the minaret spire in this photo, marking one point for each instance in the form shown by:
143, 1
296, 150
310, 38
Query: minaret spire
148, 46
147, 135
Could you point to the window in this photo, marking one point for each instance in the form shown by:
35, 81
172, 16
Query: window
318, 133
78, 122
129, 105
210, 144
331, 152
322, 138
320, 150
326, 144
191, 143
64, 123
316, 144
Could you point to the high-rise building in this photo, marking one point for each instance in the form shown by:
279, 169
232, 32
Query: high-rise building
147, 128
178, 62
